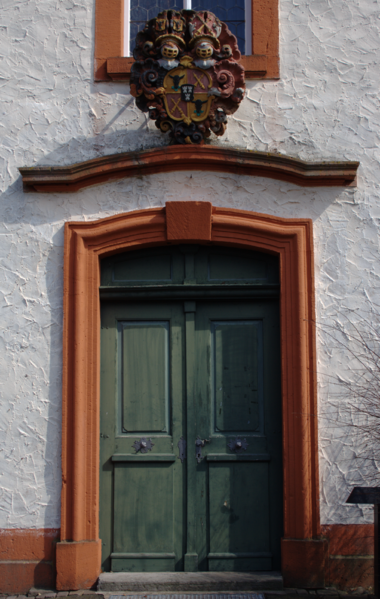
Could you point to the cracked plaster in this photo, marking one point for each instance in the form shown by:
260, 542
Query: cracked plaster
324, 107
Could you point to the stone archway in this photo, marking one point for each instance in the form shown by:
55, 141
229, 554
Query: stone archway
78, 553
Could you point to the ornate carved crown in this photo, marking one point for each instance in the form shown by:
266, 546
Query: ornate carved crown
186, 74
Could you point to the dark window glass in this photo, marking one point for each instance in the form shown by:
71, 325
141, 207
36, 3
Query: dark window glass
232, 12
143, 10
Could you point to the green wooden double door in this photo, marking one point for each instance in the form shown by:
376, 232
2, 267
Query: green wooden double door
191, 468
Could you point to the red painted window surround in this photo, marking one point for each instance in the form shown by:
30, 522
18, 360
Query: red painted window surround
110, 64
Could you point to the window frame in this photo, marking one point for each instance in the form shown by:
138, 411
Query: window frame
187, 6
111, 64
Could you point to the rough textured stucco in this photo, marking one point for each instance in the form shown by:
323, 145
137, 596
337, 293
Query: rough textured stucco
326, 106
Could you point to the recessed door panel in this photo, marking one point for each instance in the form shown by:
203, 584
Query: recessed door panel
143, 508
143, 517
230, 269
239, 515
236, 363
138, 268
145, 376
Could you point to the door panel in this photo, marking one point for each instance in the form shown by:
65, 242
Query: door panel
231, 269
239, 516
238, 399
157, 268
235, 375
139, 530
142, 499
145, 374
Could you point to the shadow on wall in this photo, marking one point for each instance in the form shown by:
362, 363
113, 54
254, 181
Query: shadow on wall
107, 140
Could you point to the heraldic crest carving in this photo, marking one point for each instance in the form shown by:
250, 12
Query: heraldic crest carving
186, 74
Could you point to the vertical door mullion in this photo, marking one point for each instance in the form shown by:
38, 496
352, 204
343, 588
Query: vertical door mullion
191, 556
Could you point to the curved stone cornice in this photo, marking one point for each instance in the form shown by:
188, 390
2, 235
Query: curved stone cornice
63, 179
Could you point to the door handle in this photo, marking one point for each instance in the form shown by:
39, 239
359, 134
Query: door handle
199, 443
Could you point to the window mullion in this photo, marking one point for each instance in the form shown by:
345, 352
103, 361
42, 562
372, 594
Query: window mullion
248, 27
127, 27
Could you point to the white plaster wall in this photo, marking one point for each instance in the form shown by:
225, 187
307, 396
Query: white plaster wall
326, 106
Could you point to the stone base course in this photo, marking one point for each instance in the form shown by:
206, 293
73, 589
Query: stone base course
327, 593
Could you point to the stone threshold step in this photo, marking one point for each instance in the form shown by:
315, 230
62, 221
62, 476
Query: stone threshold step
187, 582
194, 596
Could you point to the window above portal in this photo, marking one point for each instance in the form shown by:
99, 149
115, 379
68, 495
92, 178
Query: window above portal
235, 13
253, 22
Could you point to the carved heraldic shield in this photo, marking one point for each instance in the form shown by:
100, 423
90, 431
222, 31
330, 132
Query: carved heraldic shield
186, 74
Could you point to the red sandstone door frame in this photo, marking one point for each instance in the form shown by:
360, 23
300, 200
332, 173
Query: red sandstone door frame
78, 553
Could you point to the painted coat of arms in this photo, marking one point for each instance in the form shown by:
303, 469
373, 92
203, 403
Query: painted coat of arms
186, 74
